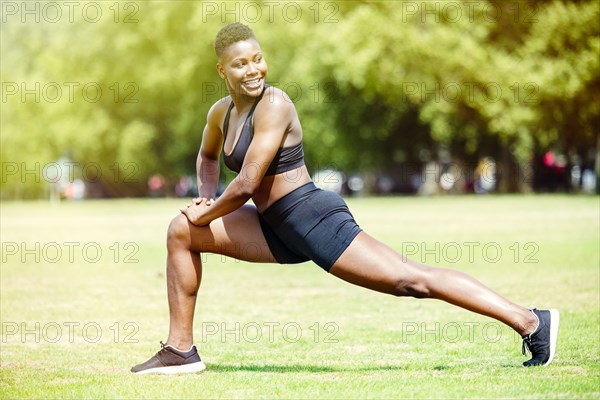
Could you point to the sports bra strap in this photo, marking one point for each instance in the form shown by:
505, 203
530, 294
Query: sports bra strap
226, 122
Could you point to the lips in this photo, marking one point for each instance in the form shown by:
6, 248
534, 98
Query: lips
252, 84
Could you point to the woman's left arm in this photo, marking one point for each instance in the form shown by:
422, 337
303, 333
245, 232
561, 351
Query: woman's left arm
271, 119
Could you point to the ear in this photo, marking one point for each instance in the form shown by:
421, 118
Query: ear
221, 71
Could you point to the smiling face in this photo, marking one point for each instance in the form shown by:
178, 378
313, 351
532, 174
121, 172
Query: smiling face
244, 68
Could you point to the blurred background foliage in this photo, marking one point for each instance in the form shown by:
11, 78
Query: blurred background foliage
122, 89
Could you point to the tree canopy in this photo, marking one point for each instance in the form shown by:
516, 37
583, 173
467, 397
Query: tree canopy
123, 88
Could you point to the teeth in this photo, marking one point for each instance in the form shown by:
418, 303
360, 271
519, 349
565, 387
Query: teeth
252, 83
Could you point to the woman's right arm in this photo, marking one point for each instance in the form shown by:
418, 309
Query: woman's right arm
207, 163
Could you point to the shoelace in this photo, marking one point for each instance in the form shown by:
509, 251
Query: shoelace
162, 345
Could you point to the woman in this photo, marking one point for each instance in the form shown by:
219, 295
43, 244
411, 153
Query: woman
257, 130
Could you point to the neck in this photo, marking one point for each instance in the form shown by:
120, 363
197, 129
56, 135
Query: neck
240, 100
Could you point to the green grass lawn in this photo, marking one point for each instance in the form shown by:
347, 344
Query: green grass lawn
83, 298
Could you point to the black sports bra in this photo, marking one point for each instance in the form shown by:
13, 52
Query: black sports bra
286, 158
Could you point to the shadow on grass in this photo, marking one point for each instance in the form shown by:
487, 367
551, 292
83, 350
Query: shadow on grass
298, 368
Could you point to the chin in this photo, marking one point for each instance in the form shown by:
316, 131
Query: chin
255, 92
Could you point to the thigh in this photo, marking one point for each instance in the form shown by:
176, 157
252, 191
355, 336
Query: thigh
237, 234
369, 263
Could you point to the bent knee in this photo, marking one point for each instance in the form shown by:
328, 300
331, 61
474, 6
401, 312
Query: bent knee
179, 230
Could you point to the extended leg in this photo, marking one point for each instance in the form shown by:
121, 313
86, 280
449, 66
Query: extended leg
371, 264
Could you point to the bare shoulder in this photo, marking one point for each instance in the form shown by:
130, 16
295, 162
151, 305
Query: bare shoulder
217, 111
278, 95
276, 100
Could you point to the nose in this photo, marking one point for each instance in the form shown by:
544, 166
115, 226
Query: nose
251, 69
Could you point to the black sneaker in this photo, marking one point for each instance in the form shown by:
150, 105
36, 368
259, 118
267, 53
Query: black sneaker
169, 360
542, 342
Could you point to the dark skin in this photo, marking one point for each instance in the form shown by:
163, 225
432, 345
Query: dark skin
229, 226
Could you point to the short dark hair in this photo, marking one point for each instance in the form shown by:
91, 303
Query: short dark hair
230, 34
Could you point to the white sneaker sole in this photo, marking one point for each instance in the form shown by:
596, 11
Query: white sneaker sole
554, 321
176, 369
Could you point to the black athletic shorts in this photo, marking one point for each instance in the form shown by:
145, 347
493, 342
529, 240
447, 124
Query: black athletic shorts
308, 224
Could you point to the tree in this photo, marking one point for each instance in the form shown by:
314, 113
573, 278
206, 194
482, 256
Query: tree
379, 86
